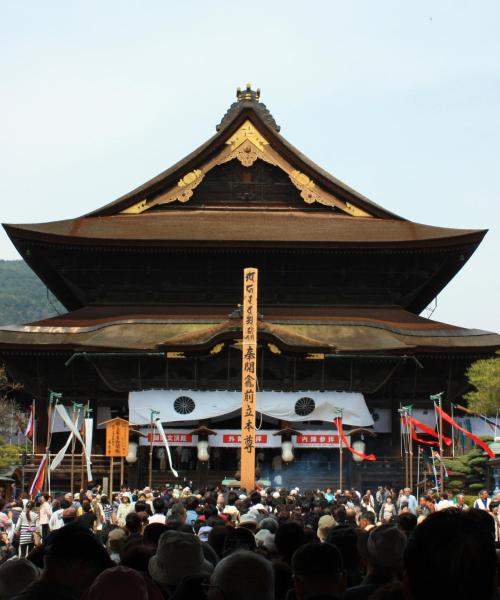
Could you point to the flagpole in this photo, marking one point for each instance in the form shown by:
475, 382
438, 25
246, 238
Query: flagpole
404, 436
33, 435
400, 433
418, 471
73, 444
452, 432
82, 474
150, 464
341, 452
410, 445
441, 463
439, 398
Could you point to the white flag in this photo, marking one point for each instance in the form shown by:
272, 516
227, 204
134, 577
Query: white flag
159, 426
63, 413
88, 446
61, 454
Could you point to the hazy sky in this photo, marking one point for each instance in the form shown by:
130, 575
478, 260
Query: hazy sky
400, 100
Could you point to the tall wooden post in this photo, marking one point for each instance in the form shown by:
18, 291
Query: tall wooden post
441, 461
249, 377
341, 466
438, 400
150, 462
410, 443
111, 468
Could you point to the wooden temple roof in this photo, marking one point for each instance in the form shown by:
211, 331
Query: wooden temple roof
335, 329
167, 209
244, 227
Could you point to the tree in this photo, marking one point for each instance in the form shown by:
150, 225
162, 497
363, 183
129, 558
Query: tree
9, 454
467, 473
11, 414
10, 420
484, 375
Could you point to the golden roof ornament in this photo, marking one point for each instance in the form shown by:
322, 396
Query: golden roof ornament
248, 98
248, 93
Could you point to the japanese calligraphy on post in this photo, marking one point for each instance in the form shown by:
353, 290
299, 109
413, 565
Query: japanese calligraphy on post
117, 437
249, 377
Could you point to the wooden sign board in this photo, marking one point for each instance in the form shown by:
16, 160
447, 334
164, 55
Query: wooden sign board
249, 378
117, 437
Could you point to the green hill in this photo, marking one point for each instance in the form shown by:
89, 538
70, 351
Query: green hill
23, 297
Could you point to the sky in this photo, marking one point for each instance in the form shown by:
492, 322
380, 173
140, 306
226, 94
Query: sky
399, 100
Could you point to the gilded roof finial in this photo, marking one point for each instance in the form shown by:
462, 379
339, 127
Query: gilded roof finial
253, 99
248, 93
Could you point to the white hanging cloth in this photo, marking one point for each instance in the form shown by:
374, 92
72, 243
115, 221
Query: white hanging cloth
63, 413
62, 452
88, 446
56, 461
192, 405
161, 431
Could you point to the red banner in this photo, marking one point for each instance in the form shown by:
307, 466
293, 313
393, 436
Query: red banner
338, 425
428, 430
37, 484
414, 435
478, 441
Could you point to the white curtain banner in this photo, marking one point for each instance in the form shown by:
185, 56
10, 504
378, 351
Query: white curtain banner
88, 446
163, 437
176, 406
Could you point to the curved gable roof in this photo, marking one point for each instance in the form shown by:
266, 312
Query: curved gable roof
247, 108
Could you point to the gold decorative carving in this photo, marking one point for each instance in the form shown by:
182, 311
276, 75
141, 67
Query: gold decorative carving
315, 356
187, 185
274, 349
247, 145
355, 211
310, 193
306, 186
247, 132
246, 153
136, 209
176, 355
217, 348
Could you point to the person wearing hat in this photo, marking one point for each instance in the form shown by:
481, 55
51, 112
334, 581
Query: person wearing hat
265, 539
325, 523
249, 521
178, 555
230, 509
115, 544
383, 552
318, 572
124, 508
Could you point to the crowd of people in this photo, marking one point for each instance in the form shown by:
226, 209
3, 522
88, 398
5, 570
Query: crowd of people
270, 544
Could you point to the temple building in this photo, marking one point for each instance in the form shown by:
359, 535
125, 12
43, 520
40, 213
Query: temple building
152, 283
